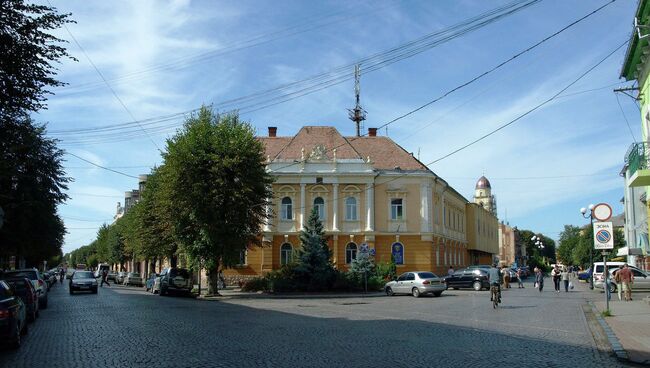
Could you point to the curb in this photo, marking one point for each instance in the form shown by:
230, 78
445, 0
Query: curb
617, 348
290, 296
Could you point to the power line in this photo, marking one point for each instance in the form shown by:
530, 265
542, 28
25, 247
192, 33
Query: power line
94, 195
104, 79
85, 220
625, 117
100, 166
527, 112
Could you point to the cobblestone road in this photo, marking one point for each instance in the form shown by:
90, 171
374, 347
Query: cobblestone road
125, 327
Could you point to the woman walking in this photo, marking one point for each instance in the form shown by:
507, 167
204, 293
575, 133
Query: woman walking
565, 275
539, 280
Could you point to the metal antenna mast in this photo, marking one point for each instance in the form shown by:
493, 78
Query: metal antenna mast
357, 114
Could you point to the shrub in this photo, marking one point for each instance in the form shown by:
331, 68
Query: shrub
256, 284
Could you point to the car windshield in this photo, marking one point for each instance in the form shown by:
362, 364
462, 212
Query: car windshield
427, 275
83, 275
18, 285
32, 275
179, 272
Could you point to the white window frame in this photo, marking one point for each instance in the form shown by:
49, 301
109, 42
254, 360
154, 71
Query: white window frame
286, 209
321, 208
351, 209
243, 256
401, 205
352, 251
284, 258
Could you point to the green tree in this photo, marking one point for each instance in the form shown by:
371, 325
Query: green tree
220, 188
586, 247
569, 242
115, 240
314, 267
28, 51
32, 185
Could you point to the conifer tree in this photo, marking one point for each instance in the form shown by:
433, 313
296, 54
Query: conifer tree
314, 266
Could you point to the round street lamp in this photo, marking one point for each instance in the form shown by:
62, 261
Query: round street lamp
590, 216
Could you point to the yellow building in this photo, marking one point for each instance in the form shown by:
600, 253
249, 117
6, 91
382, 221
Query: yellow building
367, 190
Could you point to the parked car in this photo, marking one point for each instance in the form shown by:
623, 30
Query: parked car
174, 280
525, 271
120, 277
112, 276
415, 283
151, 281
483, 267
37, 280
599, 269
24, 289
83, 281
641, 279
133, 278
475, 278
584, 275
13, 316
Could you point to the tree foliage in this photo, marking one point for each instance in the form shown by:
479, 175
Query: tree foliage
32, 184
220, 187
28, 52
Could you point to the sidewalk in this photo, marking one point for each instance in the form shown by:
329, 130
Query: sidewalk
630, 322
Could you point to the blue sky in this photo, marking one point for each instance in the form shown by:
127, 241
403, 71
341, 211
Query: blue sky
163, 58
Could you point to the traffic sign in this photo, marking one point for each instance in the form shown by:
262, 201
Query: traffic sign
373, 252
602, 212
363, 248
603, 235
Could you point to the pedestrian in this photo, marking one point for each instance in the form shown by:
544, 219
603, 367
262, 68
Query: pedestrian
626, 282
556, 274
617, 279
104, 278
539, 279
450, 271
566, 277
506, 277
519, 279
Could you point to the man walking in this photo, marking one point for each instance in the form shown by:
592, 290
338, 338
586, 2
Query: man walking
555, 274
519, 275
565, 279
626, 282
104, 278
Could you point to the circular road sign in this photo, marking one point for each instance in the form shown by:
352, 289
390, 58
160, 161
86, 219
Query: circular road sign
602, 212
603, 236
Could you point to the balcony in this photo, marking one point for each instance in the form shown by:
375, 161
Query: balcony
638, 165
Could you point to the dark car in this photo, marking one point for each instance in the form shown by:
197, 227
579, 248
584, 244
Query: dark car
83, 281
475, 278
37, 280
13, 316
24, 289
175, 280
584, 275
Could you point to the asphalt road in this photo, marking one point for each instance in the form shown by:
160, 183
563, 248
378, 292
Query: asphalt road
126, 327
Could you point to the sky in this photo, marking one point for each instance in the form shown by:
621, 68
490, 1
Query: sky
155, 61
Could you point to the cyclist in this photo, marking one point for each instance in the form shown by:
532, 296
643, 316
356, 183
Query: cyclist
61, 275
494, 277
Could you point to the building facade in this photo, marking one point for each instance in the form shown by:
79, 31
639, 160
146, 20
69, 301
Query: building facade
636, 67
366, 190
483, 195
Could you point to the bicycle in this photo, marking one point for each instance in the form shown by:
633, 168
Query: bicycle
494, 290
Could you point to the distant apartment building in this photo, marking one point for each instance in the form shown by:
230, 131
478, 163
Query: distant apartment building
511, 251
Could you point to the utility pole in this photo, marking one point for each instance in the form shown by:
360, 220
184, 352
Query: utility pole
357, 114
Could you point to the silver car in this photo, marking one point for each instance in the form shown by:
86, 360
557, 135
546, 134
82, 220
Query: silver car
416, 283
641, 279
133, 278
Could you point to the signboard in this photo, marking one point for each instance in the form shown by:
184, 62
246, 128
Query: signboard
602, 212
363, 248
603, 235
397, 250
373, 251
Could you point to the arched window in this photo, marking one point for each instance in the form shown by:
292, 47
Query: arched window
319, 205
396, 209
350, 252
286, 211
351, 209
286, 252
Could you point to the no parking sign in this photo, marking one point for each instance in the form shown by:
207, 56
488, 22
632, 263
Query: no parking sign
603, 235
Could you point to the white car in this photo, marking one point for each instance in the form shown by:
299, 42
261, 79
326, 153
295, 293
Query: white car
416, 283
133, 278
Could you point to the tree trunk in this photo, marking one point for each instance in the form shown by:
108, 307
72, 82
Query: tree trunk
213, 281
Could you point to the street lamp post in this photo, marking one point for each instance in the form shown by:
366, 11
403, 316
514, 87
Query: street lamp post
537, 240
590, 216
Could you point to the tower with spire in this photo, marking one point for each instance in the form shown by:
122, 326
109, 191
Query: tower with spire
483, 195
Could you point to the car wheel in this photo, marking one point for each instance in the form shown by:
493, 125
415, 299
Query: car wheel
94, 291
44, 304
455, 288
25, 329
71, 291
437, 293
612, 288
17, 340
389, 291
415, 292
477, 286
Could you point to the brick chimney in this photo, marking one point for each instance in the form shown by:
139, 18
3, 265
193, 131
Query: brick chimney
372, 132
273, 131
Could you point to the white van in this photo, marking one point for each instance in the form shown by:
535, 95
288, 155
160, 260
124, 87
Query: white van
599, 268
101, 268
